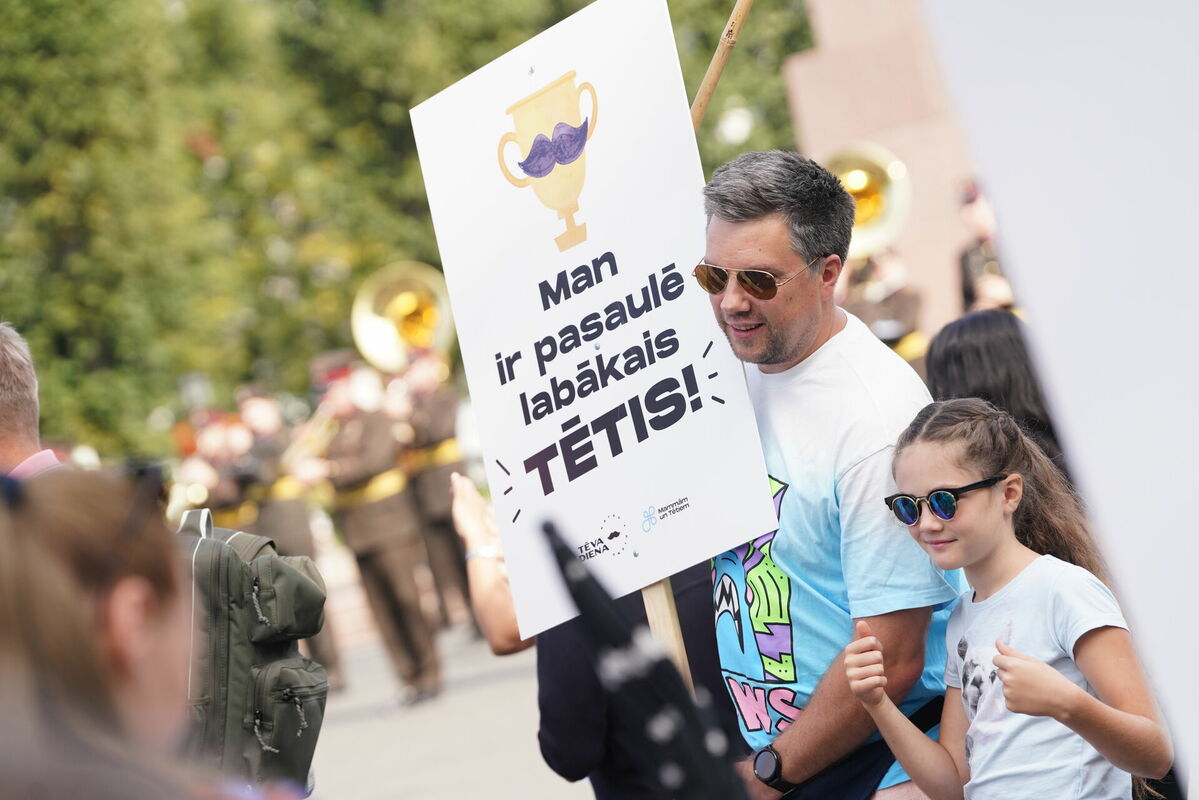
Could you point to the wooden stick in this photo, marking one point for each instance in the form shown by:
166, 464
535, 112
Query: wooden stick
663, 618
660, 607
707, 87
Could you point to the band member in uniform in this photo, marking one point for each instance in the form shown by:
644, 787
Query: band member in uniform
282, 508
879, 293
429, 460
376, 513
218, 465
984, 285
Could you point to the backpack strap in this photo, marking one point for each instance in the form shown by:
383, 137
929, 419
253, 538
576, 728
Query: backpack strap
196, 522
248, 546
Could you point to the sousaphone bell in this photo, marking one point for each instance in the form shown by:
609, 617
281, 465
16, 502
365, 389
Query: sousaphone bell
882, 192
401, 309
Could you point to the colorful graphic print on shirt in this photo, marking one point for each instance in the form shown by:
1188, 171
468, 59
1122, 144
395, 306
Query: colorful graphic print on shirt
982, 691
752, 601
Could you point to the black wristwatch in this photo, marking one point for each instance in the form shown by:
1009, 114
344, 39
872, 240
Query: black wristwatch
768, 768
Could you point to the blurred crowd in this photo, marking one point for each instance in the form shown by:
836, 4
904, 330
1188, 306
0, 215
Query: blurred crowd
374, 459
878, 288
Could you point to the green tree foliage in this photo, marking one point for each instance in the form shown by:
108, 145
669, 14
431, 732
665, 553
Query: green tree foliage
97, 234
200, 185
372, 60
751, 87
282, 203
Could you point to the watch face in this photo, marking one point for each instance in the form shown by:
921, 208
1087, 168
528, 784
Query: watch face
766, 765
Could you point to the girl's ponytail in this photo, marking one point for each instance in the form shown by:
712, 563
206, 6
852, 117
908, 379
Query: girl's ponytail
1050, 518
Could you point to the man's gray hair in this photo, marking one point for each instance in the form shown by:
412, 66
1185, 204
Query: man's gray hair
18, 387
815, 206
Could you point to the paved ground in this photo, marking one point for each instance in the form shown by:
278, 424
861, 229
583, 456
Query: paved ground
478, 739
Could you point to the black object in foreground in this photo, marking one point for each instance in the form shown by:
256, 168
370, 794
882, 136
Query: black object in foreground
680, 742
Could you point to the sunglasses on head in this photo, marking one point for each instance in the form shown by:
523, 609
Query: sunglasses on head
756, 282
942, 502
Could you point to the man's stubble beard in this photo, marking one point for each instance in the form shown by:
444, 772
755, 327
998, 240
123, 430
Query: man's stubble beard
772, 350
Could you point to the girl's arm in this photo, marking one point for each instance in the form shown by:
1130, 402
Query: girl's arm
938, 768
1123, 724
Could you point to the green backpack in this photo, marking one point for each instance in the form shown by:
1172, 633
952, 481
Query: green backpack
256, 703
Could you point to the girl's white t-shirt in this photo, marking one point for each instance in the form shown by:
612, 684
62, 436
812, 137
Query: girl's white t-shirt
1042, 612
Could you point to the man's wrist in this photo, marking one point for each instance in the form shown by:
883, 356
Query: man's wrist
767, 767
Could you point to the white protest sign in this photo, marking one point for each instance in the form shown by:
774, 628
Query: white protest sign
565, 187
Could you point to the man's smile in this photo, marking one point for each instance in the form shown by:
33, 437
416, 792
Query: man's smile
742, 329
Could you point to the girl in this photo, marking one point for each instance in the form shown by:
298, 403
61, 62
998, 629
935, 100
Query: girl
1044, 696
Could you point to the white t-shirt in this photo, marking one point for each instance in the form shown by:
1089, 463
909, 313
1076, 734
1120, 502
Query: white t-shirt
1042, 612
785, 601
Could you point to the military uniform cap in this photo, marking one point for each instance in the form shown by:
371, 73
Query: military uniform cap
332, 366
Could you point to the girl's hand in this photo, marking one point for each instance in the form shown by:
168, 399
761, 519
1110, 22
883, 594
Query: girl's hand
864, 666
1030, 686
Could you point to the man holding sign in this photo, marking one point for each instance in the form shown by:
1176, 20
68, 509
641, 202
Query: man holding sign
830, 400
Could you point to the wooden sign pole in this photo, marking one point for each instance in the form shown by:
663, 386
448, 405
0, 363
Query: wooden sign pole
660, 607
727, 39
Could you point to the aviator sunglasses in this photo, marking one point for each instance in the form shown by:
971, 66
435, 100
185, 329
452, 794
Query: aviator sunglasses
756, 282
942, 502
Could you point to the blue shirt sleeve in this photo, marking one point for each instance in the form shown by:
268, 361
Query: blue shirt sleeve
885, 570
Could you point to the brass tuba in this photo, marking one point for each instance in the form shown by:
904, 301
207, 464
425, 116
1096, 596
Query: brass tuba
882, 191
311, 438
404, 307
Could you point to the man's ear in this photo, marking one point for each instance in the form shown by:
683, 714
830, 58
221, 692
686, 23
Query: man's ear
830, 272
125, 617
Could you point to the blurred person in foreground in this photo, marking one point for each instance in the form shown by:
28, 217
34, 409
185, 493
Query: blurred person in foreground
21, 451
94, 643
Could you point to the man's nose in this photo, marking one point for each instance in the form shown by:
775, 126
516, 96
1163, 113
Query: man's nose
734, 299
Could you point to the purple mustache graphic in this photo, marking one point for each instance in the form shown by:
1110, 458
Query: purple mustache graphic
565, 147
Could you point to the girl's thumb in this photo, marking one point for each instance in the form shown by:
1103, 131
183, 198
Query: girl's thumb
861, 629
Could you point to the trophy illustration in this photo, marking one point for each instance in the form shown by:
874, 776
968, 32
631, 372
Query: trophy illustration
552, 137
